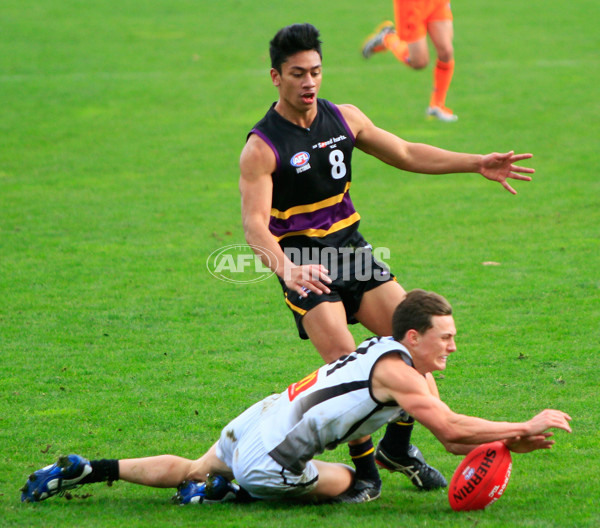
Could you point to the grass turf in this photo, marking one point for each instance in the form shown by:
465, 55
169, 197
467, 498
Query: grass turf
121, 128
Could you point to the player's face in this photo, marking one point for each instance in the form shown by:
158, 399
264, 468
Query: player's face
436, 344
299, 80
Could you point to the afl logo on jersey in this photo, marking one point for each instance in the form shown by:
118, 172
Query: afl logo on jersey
300, 159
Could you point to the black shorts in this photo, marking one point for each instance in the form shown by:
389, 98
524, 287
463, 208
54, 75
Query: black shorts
355, 272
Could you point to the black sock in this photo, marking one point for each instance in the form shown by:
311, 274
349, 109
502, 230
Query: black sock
102, 471
396, 440
243, 496
364, 461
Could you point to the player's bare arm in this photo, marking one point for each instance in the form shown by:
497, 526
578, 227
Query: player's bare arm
432, 385
459, 433
426, 159
257, 162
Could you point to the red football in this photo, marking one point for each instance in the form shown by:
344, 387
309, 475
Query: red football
481, 477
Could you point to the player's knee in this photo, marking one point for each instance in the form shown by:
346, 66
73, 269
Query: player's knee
446, 54
418, 62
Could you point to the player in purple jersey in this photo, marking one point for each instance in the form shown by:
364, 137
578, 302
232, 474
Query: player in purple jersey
283, 216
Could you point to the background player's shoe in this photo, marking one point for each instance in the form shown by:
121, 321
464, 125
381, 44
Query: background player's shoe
215, 489
374, 42
57, 478
413, 465
361, 491
441, 113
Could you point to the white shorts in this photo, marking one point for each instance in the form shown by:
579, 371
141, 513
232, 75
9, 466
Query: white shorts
241, 448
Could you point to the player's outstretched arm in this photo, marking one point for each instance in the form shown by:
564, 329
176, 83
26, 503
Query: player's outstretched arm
427, 159
394, 380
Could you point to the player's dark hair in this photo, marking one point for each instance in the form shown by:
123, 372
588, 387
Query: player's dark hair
292, 39
415, 312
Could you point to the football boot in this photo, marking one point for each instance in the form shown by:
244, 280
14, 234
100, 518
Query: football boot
413, 465
65, 474
374, 42
215, 489
361, 491
441, 113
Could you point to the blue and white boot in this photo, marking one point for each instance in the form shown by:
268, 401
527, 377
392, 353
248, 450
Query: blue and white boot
215, 489
65, 474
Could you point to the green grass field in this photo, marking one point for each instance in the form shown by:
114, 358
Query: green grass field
121, 125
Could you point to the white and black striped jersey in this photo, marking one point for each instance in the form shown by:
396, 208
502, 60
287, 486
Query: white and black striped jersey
332, 405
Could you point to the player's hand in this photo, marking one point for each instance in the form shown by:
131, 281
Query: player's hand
308, 277
549, 419
500, 167
526, 444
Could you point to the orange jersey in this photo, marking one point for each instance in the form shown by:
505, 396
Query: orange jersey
412, 17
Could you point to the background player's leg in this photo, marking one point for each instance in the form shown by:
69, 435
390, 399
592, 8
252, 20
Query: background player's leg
418, 54
410, 42
441, 33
